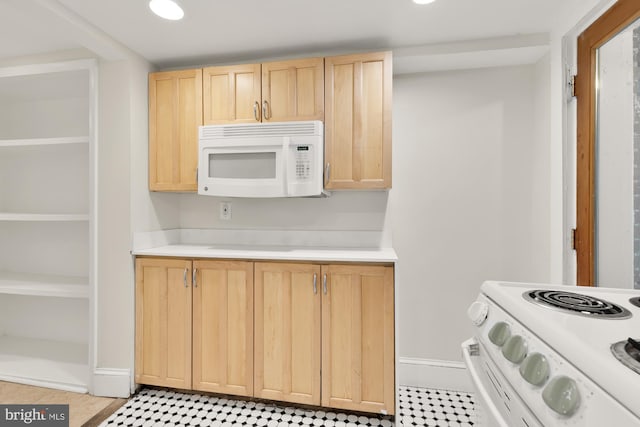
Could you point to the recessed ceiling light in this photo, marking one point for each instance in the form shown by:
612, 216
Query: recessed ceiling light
167, 9
423, 1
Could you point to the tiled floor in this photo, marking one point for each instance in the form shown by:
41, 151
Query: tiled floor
418, 407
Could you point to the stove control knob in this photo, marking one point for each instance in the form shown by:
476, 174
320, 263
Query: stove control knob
500, 333
515, 349
562, 395
478, 312
535, 369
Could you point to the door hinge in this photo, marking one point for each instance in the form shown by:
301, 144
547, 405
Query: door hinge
571, 82
573, 239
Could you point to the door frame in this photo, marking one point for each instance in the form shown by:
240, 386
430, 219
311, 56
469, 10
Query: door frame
608, 25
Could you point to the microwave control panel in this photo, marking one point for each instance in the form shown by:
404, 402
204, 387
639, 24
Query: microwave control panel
303, 158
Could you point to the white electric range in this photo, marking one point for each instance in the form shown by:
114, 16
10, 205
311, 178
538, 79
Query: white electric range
550, 356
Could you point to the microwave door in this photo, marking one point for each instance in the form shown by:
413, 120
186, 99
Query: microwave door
243, 171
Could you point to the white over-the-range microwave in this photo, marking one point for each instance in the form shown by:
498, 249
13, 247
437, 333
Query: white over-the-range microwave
261, 159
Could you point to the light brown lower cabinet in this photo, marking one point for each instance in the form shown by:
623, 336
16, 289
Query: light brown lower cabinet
296, 332
163, 322
358, 355
223, 327
287, 332
220, 358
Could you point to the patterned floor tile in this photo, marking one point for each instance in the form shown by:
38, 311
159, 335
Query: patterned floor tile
418, 407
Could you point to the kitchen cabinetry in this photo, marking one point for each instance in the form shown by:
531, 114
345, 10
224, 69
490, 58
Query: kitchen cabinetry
223, 327
275, 91
163, 322
287, 332
47, 223
350, 93
175, 112
358, 338
209, 300
231, 94
358, 121
322, 334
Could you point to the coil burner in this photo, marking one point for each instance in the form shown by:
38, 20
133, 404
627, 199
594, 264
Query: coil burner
628, 352
583, 305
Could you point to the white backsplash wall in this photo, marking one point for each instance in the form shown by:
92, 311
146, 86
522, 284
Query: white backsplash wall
343, 210
470, 196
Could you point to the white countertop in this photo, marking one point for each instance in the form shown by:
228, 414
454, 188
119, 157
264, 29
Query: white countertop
271, 252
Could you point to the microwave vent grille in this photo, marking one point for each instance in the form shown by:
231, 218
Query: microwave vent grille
309, 128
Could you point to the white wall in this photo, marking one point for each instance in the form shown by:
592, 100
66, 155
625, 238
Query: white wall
346, 210
469, 199
124, 203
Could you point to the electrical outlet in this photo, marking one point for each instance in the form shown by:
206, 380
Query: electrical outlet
225, 211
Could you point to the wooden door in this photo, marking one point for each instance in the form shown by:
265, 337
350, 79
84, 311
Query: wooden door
175, 112
617, 18
163, 322
293, 90
232, 94
358, 338
287, 332
358, 121
223, 327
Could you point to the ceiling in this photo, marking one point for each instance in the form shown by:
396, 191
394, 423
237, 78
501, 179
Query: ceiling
216, 31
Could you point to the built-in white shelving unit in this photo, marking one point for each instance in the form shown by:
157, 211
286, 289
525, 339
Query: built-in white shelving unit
43, 285
43, 141
5, 216
47, 223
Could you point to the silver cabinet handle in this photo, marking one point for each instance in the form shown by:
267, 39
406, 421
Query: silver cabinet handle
193, 277
256, 109
265, 110
184, 277
324, 284
315, 283
327, 171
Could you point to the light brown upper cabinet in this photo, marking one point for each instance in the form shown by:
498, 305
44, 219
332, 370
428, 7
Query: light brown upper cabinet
175, 112
358, 338
358, 121
287, 332
275, 91
231, 94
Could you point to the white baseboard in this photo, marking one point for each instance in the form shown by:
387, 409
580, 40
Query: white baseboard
112, 382
440, 374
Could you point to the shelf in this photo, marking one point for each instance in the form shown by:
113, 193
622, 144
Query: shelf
43, 285
44, 141
9, 216
61, 365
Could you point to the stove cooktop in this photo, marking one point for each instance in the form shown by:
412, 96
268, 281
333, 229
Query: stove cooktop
584, 340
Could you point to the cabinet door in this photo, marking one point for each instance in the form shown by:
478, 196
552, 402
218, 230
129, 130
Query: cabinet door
293, 90
287, 332
232, 94
175, 112
223, 327
358, 338
163, 322
358, 121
